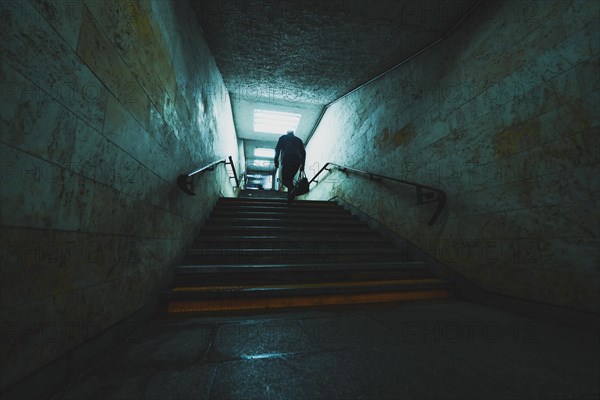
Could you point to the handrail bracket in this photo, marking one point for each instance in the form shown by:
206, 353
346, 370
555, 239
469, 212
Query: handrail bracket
185, 182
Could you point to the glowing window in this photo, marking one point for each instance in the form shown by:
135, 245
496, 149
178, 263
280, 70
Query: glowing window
264, 152
261, 163
275, 121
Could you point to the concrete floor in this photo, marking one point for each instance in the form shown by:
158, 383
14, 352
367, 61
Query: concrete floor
428, 350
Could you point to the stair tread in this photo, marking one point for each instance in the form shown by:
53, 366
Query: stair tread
324, 228
276, 201
349, 266
280, 204
279, 210
263, 209
324, 285
283, 219
279, 213
304, 289
286, 225
297, 220
200, 306
295, 249
280, 237
283, 205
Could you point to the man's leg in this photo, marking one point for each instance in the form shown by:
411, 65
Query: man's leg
288, 171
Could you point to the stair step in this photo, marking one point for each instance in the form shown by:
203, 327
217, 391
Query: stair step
296, 240
255, 303
298, 245
275, 202
261, 211
260, 194
300, 240
297, 251
300, 267
245, 235
285, 255
241, 258
296, 273
287, 233
311, 288
261, 229
280, 209
289, 222
283, 215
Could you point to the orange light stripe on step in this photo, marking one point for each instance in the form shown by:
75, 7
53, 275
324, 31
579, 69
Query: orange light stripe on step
306, 285
301, 301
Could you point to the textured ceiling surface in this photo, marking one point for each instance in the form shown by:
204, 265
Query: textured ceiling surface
307, 53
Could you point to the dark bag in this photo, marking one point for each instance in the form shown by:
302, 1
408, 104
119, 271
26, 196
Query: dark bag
301, 186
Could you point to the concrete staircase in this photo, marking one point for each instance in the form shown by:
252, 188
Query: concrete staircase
260, 252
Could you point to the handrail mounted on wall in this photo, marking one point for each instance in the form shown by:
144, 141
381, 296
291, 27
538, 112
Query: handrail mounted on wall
425, 194
185, 182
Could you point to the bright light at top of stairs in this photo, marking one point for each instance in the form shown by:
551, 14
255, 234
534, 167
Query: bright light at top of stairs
277, 122
264, 152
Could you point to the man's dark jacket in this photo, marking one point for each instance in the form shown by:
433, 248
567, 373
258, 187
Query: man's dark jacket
291, 149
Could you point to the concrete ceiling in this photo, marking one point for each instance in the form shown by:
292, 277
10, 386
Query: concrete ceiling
301, 55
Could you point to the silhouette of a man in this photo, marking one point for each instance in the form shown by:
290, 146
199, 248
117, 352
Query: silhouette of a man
293, 156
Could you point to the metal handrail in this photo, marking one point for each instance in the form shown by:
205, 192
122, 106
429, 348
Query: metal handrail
433, 194
185, 182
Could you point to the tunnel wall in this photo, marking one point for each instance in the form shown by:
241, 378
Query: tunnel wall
103, 105
504, 116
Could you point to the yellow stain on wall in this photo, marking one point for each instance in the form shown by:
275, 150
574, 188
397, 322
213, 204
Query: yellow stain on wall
139, 19
574, 118
517, 139
400, 137
154, 63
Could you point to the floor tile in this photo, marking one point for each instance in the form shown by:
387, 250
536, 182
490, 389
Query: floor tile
435, 350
